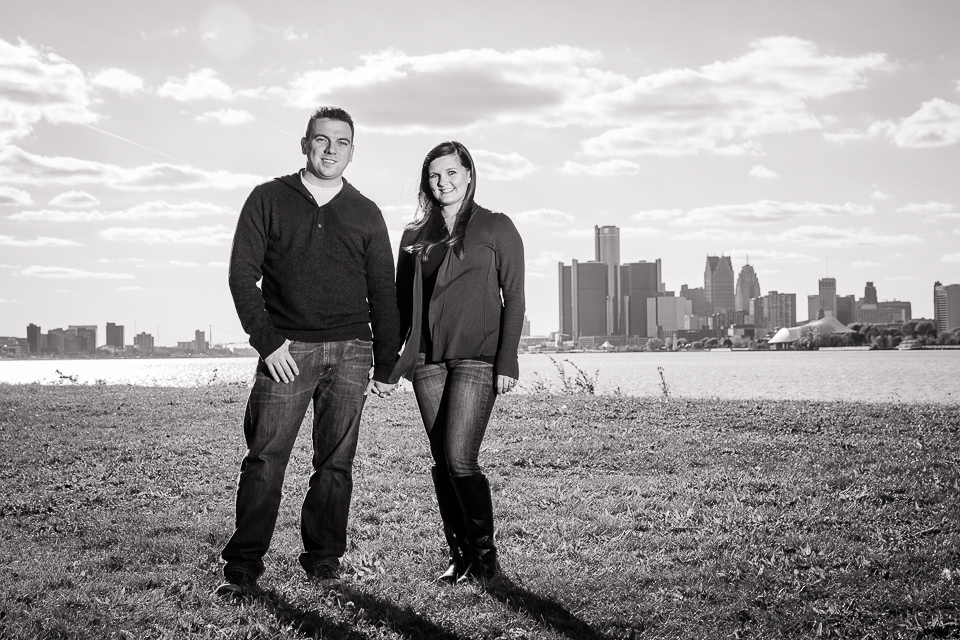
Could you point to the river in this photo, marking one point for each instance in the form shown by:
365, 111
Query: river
868, 376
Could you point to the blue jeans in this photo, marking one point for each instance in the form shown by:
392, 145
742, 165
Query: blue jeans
334, 376
455, 400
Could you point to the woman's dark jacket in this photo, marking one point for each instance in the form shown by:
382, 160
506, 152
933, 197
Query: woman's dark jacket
477, 305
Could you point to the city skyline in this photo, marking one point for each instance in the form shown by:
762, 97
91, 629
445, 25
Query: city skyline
820, 139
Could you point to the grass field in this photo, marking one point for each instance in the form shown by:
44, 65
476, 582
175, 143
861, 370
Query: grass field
617, 518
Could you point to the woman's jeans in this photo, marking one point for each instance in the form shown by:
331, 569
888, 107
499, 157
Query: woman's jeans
455, 398
333, 375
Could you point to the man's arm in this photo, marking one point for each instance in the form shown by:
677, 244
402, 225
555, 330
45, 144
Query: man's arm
382, 295
246, 260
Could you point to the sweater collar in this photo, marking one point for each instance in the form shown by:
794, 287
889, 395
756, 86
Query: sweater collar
293, 181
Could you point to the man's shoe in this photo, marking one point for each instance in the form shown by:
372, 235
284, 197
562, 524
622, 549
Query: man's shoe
325, 575
236, 586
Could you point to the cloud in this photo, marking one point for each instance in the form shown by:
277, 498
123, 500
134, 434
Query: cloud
22, 167
936, 210
12, 195
639, 232
10, 241
215, 235
37, 84
500, 166
760, 171
822, 236
74, 200
719, 235
129, 288
760, 257
545, 217
453, 90
935, 124
653, 215
227, 117
120, 260
144, 211
545, 260
847, 135
199, 85
66, 273
880, 195
865, 264
951, 258
119, 80
6, 301
767, 211
725, 107
615, 167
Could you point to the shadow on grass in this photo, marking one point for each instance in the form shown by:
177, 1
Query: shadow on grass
546, 611
402, 620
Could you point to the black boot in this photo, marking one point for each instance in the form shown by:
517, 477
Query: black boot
453, 524
474, 494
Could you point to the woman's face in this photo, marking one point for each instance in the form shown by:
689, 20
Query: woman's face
448, 180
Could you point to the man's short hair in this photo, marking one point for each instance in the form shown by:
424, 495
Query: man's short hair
331, 113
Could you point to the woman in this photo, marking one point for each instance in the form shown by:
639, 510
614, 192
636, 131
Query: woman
460, 293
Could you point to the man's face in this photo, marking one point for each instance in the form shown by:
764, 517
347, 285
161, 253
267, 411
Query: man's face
329, 149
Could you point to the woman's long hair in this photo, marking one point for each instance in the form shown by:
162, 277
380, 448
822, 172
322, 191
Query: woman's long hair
429, 224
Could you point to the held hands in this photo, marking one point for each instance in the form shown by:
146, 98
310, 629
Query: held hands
281, 365
379, 389
505, 384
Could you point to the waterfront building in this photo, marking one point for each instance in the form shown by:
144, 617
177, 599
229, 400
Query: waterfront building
869, 294
846, 308
607, 246
34, 338
827, 297
87, 336
639, 282
115, 335
748, 286
775, 310
813, 308
666, 315
583, 299
894, 311
143, 342
946, 307
718, 284
199, 341
525, 330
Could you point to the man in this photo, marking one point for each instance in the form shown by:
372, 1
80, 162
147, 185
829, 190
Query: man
324, 256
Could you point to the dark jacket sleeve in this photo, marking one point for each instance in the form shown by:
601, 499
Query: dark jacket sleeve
405, 271
246, 263
510, 272
382, 294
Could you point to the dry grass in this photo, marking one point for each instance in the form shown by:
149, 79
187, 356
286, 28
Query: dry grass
618, 517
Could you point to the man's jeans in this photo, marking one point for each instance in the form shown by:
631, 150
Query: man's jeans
455, 399
334, 376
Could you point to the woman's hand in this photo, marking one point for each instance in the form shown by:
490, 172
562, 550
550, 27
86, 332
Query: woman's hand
505, 383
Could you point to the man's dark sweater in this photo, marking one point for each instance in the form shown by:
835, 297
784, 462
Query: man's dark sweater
327, 271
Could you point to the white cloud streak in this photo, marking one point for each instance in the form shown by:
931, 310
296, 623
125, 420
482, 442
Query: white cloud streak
768, 211
760, 171
12, 195
502, 166
227, 117
145, 211
607, 168
66, 273
74, 200
214, 235
11, 241
119, 80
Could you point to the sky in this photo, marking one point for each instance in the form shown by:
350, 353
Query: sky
813, 139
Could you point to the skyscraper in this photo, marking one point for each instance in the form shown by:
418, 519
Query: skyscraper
33, 338
583, 299
86, 335
748, 286
775, 310
607, 242
946, 307
639, 281
870, 294
115, 335
718, 284
828, 296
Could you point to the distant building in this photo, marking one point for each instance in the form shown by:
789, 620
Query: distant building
115, 335
748, 286
894, 311
813, 308
143, 342
946, 307
87, 336
200, 341
525, 331
869, 294
639, 282
583, 299
773, 311
34, 338
846, 308
666, 315
718, 284
827, 297
607, 244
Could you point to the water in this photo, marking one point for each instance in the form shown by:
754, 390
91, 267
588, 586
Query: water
868, 376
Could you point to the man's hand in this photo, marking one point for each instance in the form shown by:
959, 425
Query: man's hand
505, 383
281, 365
379, 389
